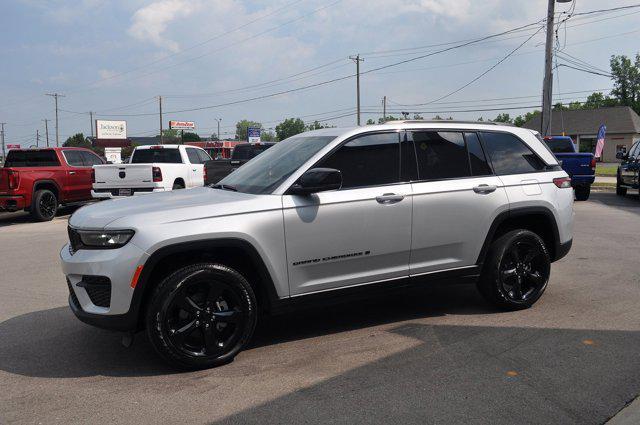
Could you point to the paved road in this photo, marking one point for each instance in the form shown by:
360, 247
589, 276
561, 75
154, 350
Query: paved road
434, 355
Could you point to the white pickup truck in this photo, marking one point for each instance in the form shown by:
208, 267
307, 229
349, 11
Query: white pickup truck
155, 168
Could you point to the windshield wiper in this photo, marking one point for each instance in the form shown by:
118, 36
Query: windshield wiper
223, 187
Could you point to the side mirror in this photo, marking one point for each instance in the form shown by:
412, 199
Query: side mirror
317, 180
621, 155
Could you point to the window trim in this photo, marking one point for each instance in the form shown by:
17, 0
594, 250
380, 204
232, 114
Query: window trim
546, 169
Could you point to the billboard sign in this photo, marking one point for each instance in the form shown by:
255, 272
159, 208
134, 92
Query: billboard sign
111, 129
253, 134
182, 125
13, 146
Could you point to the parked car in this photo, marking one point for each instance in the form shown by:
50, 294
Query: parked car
581, 166
151, 169
628, 170
319, 216
219, 168
39, 180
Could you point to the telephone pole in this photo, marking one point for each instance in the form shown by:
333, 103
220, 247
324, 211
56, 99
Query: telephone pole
46, 130
4, 154
37, 138
160, 104
357, 60
56, 96
384, 109
91, 122
218, 133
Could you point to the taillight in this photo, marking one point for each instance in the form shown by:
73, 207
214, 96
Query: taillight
93, 175
157, 174
204, 173
14, 179
562, 182
592, 164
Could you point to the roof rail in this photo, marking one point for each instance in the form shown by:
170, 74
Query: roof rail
445, 122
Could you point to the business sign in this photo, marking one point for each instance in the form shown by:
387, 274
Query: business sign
182, 125
13, 146
113, 155
253, 134
111, 129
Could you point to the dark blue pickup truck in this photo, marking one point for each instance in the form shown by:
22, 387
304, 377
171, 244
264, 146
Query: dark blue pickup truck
580, 166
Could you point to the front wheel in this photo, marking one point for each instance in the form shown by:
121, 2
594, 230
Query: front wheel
201, 316
44, 205
582, 193
517, 270
620, 191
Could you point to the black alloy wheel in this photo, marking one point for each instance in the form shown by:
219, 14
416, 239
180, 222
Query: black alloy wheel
201, 316
44, 205
517, 270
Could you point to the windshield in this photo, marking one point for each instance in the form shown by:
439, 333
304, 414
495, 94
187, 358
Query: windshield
560, 145
264, 173
163, 155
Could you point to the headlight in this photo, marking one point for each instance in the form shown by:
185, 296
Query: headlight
105, 238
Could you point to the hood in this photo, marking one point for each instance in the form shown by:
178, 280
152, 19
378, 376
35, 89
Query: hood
166, 207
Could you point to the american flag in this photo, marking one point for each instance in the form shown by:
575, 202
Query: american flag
600, 142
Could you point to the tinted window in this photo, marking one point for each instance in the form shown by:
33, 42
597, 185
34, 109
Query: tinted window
477, 158
90, 159
509, 155
441, 155
162, 155
408, 164
204, 157
560, 145
194, 158
369, 160
34, 158
634, 150
74, 158
243, 152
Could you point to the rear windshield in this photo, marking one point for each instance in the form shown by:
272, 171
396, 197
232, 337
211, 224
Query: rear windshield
560, 145
248, 151
32, 158
148, 156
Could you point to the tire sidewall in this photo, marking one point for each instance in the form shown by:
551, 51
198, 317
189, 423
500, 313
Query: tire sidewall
167, 289
35, 205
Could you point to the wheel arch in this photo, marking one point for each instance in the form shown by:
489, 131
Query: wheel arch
48, 185
539, 220
238, 254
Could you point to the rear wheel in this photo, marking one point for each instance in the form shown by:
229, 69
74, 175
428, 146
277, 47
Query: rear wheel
44, 205
201, 316
177, 185
517, 270
620, 191
582, 192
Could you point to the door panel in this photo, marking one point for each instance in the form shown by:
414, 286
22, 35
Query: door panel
629, 168
347, 237
451, 219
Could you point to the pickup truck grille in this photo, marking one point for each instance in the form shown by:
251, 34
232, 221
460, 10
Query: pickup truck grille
74, 240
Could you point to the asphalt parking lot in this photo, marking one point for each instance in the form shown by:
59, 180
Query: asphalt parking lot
431, 355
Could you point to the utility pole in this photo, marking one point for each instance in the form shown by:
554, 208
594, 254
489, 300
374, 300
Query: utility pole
357, 60
218, 133
91, 122
547, 85
160, 104
384, 109
46, 130
37, 138
4, 154
56, 96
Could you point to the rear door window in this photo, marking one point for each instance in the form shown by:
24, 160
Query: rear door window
90, 159
509, 155
157, 155
477, 158
204, 157
74, 158
32, 158
194, 158
441, 155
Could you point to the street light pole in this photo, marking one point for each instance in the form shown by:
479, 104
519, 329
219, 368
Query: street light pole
218, 133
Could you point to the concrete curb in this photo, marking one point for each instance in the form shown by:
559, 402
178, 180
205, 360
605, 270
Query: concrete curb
630, 415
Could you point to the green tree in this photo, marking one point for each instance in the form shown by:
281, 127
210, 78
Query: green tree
626, 80
289, 127
317, 125
598, 100
370, 121
242, 126
417, 117
521, 119
214, 136
77, 141
268, 136
190, 137
503, 118
387, 118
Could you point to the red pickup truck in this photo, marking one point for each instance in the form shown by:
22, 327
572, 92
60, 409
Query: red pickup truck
39, 180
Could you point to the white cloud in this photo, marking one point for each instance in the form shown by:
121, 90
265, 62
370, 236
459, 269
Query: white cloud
151, 21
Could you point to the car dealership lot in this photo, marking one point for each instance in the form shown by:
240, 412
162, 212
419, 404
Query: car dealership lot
420, 356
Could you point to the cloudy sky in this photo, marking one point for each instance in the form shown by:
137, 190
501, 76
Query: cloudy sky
213, 56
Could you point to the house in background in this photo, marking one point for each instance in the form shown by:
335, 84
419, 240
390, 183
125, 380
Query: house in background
623, 128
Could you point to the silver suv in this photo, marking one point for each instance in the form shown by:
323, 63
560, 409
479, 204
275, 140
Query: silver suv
321, 215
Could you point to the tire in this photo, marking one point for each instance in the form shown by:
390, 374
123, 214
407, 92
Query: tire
620, 191
515, 281
44, 205
177, 185
582, 192
200, 308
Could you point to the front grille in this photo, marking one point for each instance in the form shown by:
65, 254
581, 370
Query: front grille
98, 289
74, 299
74, 240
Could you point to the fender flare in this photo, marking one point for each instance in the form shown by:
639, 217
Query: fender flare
37, 183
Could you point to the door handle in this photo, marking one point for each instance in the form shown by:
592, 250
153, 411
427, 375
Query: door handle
389, 198
72, 173
484, 188
194, 169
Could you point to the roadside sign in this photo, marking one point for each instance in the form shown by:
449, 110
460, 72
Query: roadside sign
113, 155
111, 129
253, 134
13, 146
182, 125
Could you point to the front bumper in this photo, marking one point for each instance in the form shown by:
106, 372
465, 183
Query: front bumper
119, 266
11, 203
